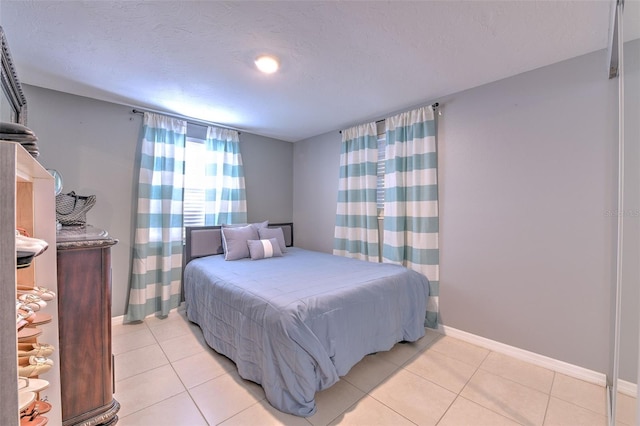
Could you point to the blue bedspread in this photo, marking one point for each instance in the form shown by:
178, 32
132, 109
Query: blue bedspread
295, 324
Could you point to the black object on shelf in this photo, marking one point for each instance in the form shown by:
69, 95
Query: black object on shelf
24, 258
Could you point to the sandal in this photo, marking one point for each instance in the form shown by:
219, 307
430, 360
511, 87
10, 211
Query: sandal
26, 350
33, 301
21, 306
42, 292
35, 367
21, 320
34, 420
24, 312
28, 333
32, 385
31, 415
42, 407
39, 319
25, 399
21, 323
26, 317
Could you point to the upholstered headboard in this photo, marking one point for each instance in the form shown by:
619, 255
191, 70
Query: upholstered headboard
207, 240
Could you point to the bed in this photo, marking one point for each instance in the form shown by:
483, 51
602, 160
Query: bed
295, 324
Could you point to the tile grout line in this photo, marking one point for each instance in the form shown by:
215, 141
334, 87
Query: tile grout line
135, 331
582, 407
459, 360
546, 410
170, 363
548, 394
367, 394
149, 406
462, 388
156, 342
573, 403
391, 408
181, 381
234, 414
514, 381
157, 402
187, 389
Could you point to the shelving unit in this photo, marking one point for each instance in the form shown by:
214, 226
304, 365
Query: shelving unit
26, 200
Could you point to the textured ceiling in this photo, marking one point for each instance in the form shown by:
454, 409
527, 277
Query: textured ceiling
342, 62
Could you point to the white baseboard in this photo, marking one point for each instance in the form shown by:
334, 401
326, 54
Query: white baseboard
119, 320
627, 388
530, 357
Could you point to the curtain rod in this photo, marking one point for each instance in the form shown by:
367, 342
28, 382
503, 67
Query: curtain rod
434, 105
185, 118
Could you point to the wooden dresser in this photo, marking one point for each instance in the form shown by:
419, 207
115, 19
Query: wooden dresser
84, 306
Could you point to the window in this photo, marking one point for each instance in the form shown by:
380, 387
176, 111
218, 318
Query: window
194, 176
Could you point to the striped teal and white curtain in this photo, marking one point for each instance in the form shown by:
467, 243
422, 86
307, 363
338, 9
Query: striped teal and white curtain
157, 251
411, 223
225, 194
356, 231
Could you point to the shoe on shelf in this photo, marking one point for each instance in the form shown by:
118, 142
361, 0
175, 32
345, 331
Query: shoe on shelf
25, 398
29, 244
33, 366
25, 350
28, 333
42, 407
21, 323
39, 319
42, 292
33, 301
35, 420
24, 258
24, 317
23, 309
32, 414
32, 385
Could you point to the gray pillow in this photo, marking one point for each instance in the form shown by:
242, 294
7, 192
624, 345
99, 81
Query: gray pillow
277, 233
234, 241
260, 225
263, 249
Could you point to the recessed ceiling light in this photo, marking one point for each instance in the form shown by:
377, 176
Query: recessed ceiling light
267, 64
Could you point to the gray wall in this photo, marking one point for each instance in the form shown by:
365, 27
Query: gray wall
527, 177
315, 190
93, 144
631, 264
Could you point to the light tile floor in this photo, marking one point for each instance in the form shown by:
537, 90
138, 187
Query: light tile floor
167, 375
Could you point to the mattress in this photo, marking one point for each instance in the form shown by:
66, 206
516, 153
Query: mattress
296, 324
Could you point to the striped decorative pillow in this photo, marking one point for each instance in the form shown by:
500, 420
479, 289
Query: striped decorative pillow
262, 249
